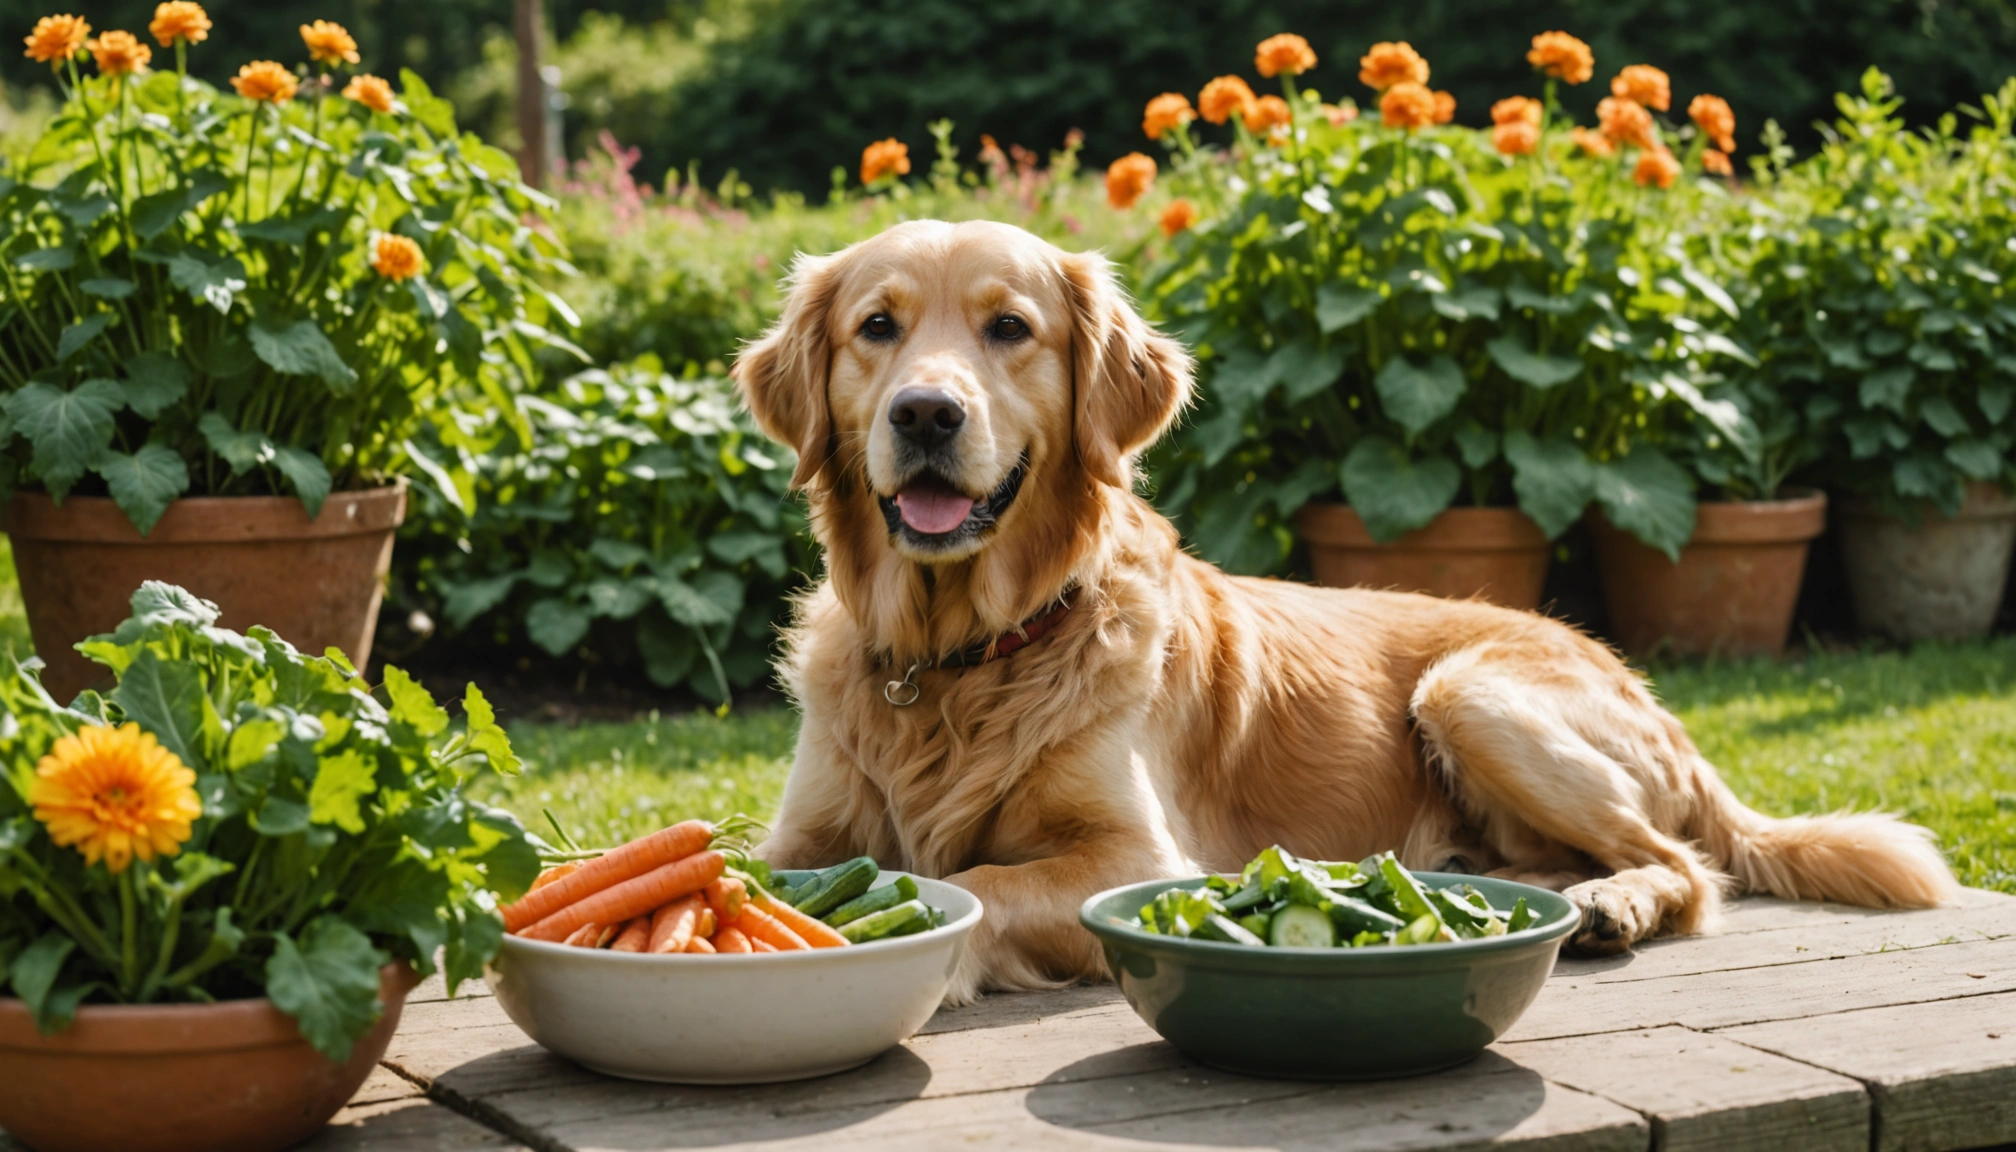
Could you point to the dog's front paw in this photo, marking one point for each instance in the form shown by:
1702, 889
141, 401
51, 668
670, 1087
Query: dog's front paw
967, 980
1614, 917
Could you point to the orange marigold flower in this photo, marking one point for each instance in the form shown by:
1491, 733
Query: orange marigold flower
1267, 114
1407, 105
1562, 56
119, 53
1627, 122
329, 43
1645, 84
1656, 166
1222, 97
1593, 143
1716, 119
889, 157
1516, 108
1128, 179
1166, 113
1515, 137
1717, 162
1338, 114
113, 794
1445, 107
265, 80
179, 20
395, 257
1389, 63
1284, 53
57, 38
370, 91
1177, 217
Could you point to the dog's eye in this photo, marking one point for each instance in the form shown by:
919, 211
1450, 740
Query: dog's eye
1009, 328
879, 327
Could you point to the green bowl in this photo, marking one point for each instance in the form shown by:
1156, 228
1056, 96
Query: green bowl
1330, 1013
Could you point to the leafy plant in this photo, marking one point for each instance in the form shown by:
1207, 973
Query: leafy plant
247, 294
237, 819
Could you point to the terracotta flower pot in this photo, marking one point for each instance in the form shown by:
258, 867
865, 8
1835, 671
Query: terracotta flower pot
1940, 577
229, 1077
1733, 590
316, 582
1497, 554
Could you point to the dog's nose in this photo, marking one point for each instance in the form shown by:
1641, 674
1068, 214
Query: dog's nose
926, 416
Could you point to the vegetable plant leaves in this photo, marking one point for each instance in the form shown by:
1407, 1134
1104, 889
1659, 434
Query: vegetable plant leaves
1417, 395
1510, 352
1393, 493
299, 348
327, 981
166, 698
1649, 496
144, 482
69, 430
1552, 478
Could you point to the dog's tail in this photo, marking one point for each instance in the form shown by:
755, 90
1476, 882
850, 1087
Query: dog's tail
1867, 858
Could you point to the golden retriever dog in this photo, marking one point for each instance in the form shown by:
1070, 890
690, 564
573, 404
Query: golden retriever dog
1013, 677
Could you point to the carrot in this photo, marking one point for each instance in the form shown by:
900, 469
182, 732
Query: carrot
672, 926
557, 872
700, 945
586, 936
611, 868
636, 896
762, 946
811, 930
760, 925
708, 925
729, 940
726, 897
634, 936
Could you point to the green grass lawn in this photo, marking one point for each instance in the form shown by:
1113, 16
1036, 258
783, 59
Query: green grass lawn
1929, 733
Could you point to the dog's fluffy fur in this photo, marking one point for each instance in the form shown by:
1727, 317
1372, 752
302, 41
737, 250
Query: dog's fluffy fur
1180, 719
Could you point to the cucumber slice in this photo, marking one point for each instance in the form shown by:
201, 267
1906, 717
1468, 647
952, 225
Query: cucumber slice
1300, 926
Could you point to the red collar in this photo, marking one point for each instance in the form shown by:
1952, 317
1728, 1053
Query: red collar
904, 692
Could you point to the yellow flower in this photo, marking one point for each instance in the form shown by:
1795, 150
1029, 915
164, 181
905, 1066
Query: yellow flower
369, 91
1284, 53
1166, 113
395, 257
1716, 119
1516, 108
1387, 64
113, 794
1593, 143
1515, 137
179, 20
1655, 166
1627, 122
1267, 115
118, 53
1445, 107
265, 80
1407, 105
1645, 84
884, 158
57, 38
1717, 162
1177, 217
1128, 179
1222, 97
329, 43
1562, 56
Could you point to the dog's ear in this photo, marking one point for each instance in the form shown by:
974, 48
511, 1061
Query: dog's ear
783, 375
1128, 381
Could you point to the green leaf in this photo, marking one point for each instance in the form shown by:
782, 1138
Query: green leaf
486, 736
1995, 401
154, 380
619, 599
1943, 417
465, 602
1393, 494
1243, 376
1340, 306
154, 214
108, 287
1977, 459
328, 982
471, 945
58, 259
252, 741
305, 471
1475, 303
144, 483
156, 606
34, 974
686, 605
1709, 289
341, 782
1306, 368
1477, 444
292, 231
413, 705
1927, 477
69, 430
556, 625
1888, 387
1509, 351
1416, 396
1649, 496
300, 349
1553, 480
165, 697
217, 284
76, 336
280, 817
242, 450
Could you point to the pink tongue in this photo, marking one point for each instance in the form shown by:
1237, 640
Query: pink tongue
933, 510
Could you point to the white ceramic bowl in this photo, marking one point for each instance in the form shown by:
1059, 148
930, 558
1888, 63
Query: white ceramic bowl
746, 1019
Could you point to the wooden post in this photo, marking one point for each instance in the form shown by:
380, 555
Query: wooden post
528, 22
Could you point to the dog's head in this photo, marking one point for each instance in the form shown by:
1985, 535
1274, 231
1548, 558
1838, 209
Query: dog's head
953, 389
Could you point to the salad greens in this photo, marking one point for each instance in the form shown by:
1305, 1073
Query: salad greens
1286, 902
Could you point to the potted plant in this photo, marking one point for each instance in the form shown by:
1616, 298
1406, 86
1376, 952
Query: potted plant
219, 880
1455, 332
1880, 307
220, 314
